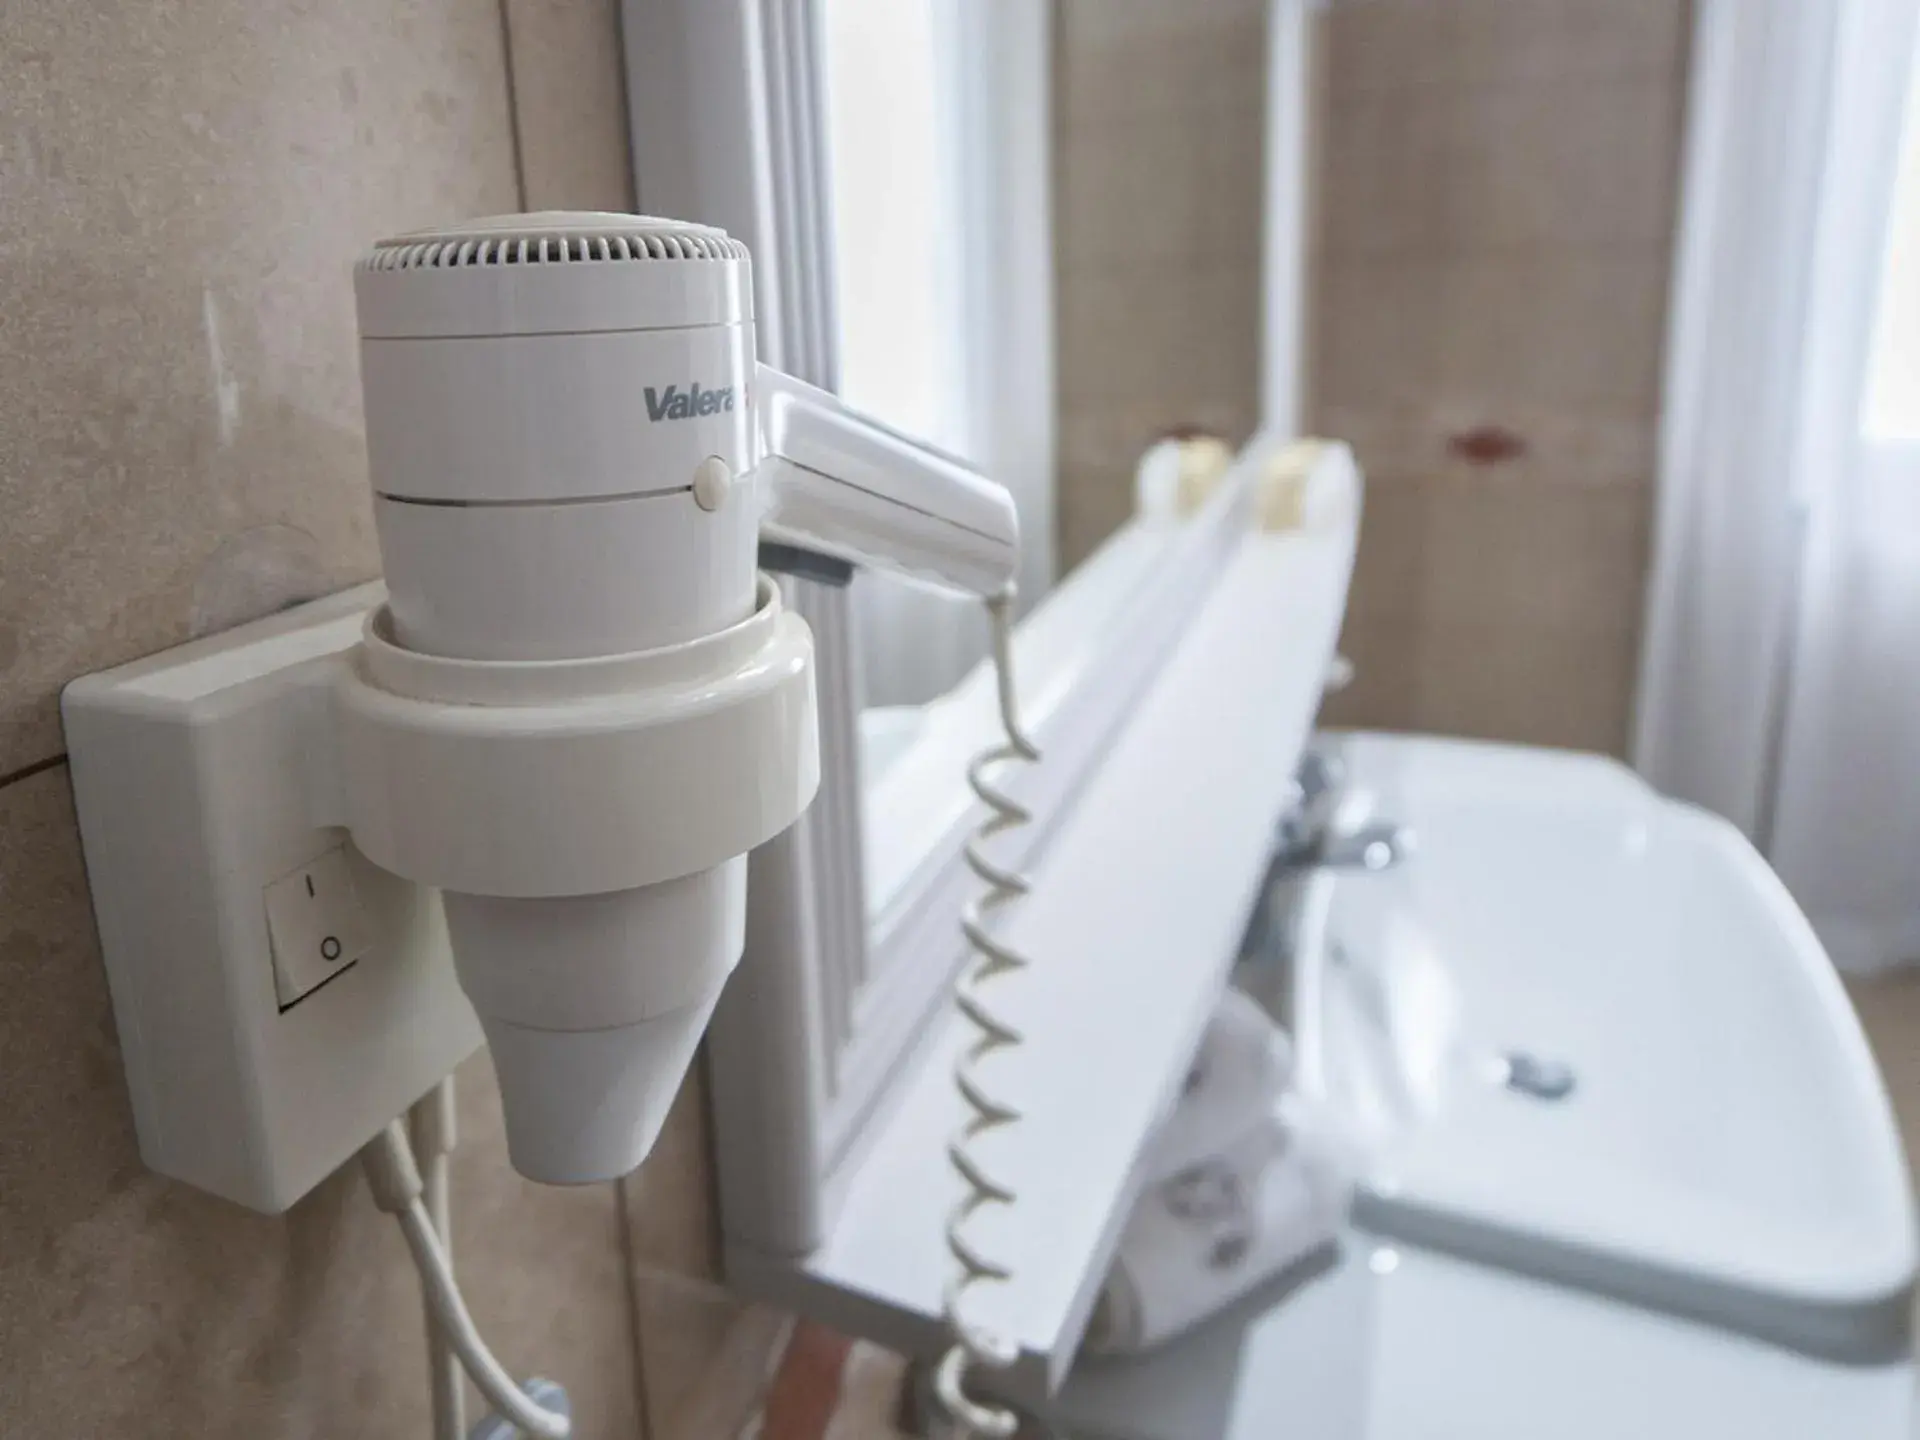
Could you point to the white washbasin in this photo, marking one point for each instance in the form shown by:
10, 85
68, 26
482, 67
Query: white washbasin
1401, 1344
1727, 1149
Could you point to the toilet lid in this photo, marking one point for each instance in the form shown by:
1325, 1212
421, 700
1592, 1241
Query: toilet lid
1592, 1038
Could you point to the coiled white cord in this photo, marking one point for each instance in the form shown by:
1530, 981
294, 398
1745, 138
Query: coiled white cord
397, 1189
974, 1346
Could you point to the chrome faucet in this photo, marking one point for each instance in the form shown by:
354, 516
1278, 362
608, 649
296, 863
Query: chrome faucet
1377, 845
1306, 838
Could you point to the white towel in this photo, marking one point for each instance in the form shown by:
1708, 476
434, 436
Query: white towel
1203, 1237
1238, 1076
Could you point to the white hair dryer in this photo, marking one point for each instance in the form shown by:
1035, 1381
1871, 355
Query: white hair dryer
574, 455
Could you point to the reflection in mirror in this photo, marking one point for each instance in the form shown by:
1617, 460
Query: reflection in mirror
1047, 242
897, 154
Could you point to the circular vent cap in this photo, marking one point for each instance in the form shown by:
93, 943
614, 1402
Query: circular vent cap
553, 237
552, 273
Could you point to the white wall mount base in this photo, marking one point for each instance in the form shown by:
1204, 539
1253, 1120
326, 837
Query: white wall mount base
278, 997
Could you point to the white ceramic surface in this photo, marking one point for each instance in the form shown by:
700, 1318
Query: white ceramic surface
1727, 1149
1396, 1344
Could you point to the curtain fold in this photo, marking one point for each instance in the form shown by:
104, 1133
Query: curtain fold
1845, 831
1781, 677
1727, 521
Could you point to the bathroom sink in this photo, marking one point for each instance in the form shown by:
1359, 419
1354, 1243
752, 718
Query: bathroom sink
1592, 1038
1402, 1344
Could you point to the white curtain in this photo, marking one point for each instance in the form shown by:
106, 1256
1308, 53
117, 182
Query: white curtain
1781, 673
1846, 828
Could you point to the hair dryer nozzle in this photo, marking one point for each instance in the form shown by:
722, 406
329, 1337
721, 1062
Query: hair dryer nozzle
593, 1006
587, 1105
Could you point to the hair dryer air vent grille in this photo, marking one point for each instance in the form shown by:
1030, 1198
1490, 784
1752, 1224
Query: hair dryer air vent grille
554, 238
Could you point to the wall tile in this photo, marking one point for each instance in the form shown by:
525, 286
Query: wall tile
1413, 441
1573, 331
1091, 317
1158, 134
1130, 194
1509, 156
1165, 328
1384, 692
1562, 39
1099, 74
1578, 163
133, 1305
541, 1268
1231, 211
1390, 565
672, 1205
130, 1304
186, 452
1379, 341
1091, 505
1562, 447
1388, 45
1525, 683
1236, 56
569, 92
176, 263
1225, 345
1502, 551
1392, 441
696, 1338
728, 1394
1385, 173
1889, 1008
1133, 57
1139, 323
1499, 183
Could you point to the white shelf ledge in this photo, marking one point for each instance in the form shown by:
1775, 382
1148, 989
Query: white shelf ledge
1139, 901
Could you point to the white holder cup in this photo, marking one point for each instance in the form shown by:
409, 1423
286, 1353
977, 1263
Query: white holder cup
588, 823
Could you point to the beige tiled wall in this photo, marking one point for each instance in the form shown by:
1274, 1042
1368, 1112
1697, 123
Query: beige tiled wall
182, 191
1497, 196
1158, 112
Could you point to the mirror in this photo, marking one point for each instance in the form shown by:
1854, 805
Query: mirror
1047, 257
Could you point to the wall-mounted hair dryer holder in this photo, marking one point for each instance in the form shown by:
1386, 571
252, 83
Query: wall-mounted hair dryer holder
274, 817
580, 817
572, 716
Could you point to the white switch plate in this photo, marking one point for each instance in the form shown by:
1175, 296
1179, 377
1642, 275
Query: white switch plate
202, 777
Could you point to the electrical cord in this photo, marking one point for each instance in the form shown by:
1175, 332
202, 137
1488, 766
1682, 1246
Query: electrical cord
397, 1188
975, 1347
432, 1122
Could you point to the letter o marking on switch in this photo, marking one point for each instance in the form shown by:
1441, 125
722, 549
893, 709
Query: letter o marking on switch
330, 948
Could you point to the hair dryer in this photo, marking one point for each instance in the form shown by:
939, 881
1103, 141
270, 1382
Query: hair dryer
574, 454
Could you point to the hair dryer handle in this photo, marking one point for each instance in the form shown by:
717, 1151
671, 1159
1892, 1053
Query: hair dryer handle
837, 482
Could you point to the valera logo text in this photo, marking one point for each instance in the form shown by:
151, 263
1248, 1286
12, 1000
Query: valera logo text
673, 403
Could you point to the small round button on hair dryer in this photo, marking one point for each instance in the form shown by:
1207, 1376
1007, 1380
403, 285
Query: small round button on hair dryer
712, 480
